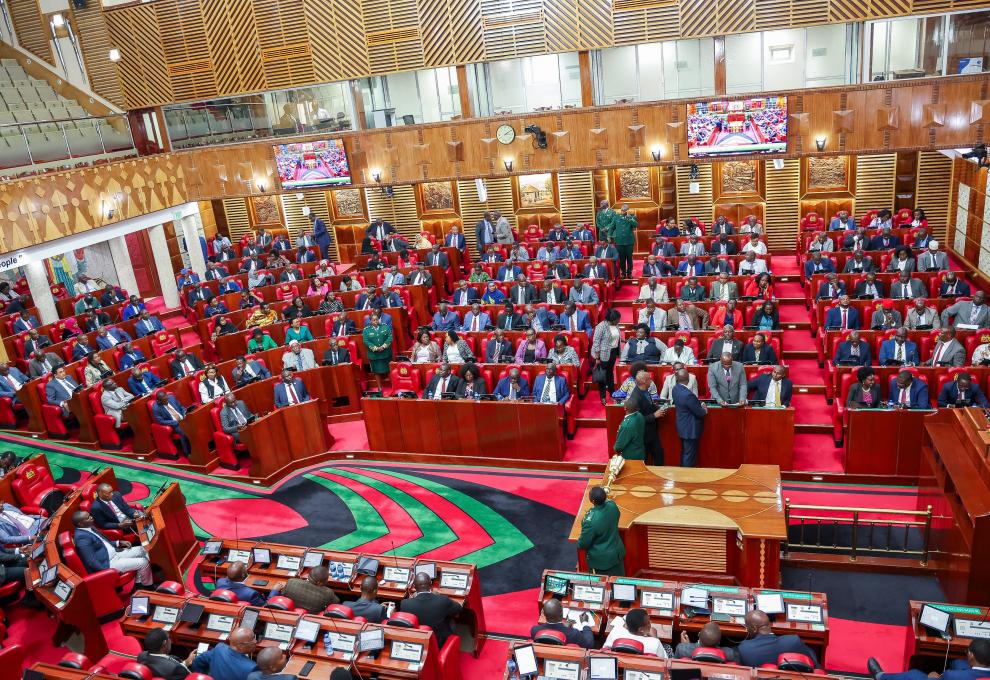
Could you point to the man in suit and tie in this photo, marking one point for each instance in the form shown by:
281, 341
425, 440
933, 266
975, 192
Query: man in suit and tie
654, 318
11, 380
492, 254
831, 287
559, 271
234, 416
763, 646
95, 320
465, 294
975, 666
36, 342
484, 232
303, 255
442, 381
115, 400
155, 655
908, 393
148, 325
25, 321
246, 372
60, 389
728, 343
292, 274
686, 317
393, 277
953, 286
842, 316
234, 581
200, 293
342, 325
692, 291
97, 552
693, 246
885, 240
143, 381
107, 338
215, 272
550, 388
594, 269
298, 358
112, 295
497, 348
947, 351
509, 319
432, 609
86, 303
551, 293
723, 245
169, 412
656, 268
321, 235
455, 239
961, 392
437, 258
379, 229
522, 292
508, 272
652, 290
445, 319
773, 389
512, 387
869, 288
421, 276
583, 293
574, 319
690, 419
81, 348
43, 363
859, 264
130, 356
111, 511
184, 364
691, 266
906, 288
724, 289
921, 317
853, 352
818, 265
727, 381
716, 265
968, 314
933, 259
337, 353
290, 390
477, 319
886, 317
899, 351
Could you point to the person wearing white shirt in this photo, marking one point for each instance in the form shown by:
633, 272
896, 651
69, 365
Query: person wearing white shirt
755, 245
635, 625
212, 386
100, 552
652, 290
671, 380
751, 265
679, 352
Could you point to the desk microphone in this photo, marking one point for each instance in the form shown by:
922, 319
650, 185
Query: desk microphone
394, 556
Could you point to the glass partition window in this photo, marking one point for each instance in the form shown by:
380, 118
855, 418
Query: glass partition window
653, 71
910, 47
306, 109
541, 83
968, 42
789, 59
410, 98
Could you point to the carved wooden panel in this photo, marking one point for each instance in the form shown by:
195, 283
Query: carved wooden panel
828, 173
633, 184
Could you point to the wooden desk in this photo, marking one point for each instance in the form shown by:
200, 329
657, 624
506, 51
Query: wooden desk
884, 442
494, 429
544, 653
569, 601
929, 649
167, 533
278, 440
52, 672
732, 436
955, 480
662, 507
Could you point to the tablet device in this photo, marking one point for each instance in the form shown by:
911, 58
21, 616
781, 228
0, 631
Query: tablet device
454, 580
340, 642
212, 547
219, 623
62, 590
590, 594
804, 613
770, 603
972, 629
526, 660
624, 592
48, 575
561, 670
367, 566
729, 606
288, 562
139, 606
406, 651
656, 599
261, 555
685, 674
312, 559
192, 612
429, 568
371, 640
38, 551
603, 668
239, 556
249, 619
166, 615
633, 674
396, 575
555, 585
279, 632
307, 630
934, 619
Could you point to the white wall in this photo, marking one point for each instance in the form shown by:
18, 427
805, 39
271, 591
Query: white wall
743, 67
827, 56
619, 74
403, 96
783, 72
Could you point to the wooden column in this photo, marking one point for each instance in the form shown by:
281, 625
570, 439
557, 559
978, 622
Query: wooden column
719, 64
584, 65
358, 105
462, 90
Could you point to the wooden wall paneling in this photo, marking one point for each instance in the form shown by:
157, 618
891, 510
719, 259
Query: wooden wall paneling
392, 35
143, 68
31, 29
513, 28
639, 21
233, 43
562, 25
694, 205
957, 97
399, 209
595, 23
238, 218
934, 179
190, 66
437, 32
284, 43
783, 206
208, 219
95, 44
298, 223
875, 182
909, 110
577, 198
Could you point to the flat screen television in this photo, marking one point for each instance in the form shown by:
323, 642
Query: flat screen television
743, 126
306, 165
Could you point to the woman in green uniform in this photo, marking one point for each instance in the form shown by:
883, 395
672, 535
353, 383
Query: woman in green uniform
629, 440
378, 341
600, 538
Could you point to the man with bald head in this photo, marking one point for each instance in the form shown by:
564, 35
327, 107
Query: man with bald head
553, 612
229, 660
690, 419
312, 593
763, 646
98, 552
367, 605
710, 635
111, 511
234, 582
433, 610
271, 661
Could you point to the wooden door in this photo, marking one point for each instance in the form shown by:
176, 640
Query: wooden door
143, 261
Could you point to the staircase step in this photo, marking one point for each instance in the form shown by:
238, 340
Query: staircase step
812, 428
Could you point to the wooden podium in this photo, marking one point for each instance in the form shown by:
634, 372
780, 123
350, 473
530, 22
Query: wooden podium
284, 436
705, 524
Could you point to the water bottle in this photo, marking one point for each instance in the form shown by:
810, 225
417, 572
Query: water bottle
513, 670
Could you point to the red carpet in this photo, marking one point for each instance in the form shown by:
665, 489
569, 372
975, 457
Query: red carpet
590, 444
811, 409
803, 371
817, 453
793, 312
349, 435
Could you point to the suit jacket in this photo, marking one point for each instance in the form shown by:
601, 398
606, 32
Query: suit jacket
479, 232
309, 596
699, 318
80, 349
282, 394
760, 385
478, 386
732, 391
145, 384
950, 394
515, 318
228, 419
223, 663
36, 367
962, 313
726, 248
917, 391
825, 266
581, 295
179, 372
483, 321
554, 296
105, 517
843, 354
528, 291
910, 265
961, 288
439, 259
865, 266
600, 271
299, 362
115, 401
21, 326
165, 667
913, 320
455, 241
766, 648
928, 260
855, 397
916, 289
147, 327
768, 357
98, 321
732, 287
431, 387
132, 358
163, 417
686, 269
954, 354
502, 389
118, 335
719, 346
888, 350
494, 349
244, 592
714, 266
582, 637
242, 378
833, 318
824, 294
881, 243
861, 290
6, 388
690, 419
879, 320
433, 610
464, 297
56, 393
94, 553
697, 294
369, 609
560, 384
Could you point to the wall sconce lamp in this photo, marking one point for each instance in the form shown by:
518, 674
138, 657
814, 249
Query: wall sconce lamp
656, 151
376, 175
114, 55
507, 162
820, 142
108, 210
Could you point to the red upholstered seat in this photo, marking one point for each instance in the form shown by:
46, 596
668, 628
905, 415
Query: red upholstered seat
282, 603
339, 611
404, 620
549, 636
106, 428
223, 595
51, 415
135, 671
163, 342
104, 583
627, 646
199, 676
709, 654
286, 291
226, 447
162, 435
792, 661
75, 660
12, 661
32, 484
171, 587
405, 377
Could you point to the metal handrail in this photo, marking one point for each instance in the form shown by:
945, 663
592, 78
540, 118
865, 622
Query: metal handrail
857, 522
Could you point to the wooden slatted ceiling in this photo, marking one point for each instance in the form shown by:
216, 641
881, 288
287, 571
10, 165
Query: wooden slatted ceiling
233, 43
144, 73
30, 28
392, 35
238, 220
95, 47
577, 198
933, 189
686, 549
337, 39
783, 205
694, 205
284, 43
875, 182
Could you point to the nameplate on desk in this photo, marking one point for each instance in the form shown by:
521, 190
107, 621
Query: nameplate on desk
652, 599
967, 628
730, 607
454, 580
151, 533
561, 670
166, 615
804, 613
289, 562
239, 556
632, 674
590, 594
220, 623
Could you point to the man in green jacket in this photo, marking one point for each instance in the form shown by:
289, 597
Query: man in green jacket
624, 231
600, 535
629, 440
604, 219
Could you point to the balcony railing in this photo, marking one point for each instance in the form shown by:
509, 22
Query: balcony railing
27, 147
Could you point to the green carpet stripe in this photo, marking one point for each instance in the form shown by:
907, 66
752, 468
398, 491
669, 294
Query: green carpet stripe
508, 541
369, 522
435, 531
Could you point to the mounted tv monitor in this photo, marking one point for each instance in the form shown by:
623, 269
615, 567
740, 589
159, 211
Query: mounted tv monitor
307, 165
745, 126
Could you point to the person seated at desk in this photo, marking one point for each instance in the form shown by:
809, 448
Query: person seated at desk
312, 593
691, 266
246, 372
727, 381
336, 354
492, 254
115, 400
575, 320
763, 646
512, 387
263, 316
690, 228
853, 351
281, 244
594, 269
147, 325
94, 321
952, 286
97, 552
886, 317
859, 264
561, 353
11, 380
518, 253
290, 390
530, 349
607, 250
968, 314
869, 288
643, 348
921, 317
492, 295
961, 393
87, 303
723, 246
296, 332
726, 343
821, 244
831, 287
271, 663
421, 276
654, 318
330, 304
200, 293
367, 605
317, 286
229, 660
8, 462
509, 319
237, 573
842, 221
550, 388
679, 351
818, 265
248, 300
229, 285
981, 355
42, 363
727, 315
260, 341
630, 383
432, 609
130, 356
425, 349
657, 268
212, 385
774, 389
477, 319
60, 389
710, 635
169, 412
759, 352
692, 291
17, 527
36, 342
296, 309
716, 265
693, 246
258, 278
155, 655
215, 272
885, 240
661, 247
766, 318
902, 261
470, 384
465, 294
856, 240
25, 321
342, 326
635, 625
111, 511
948, 351
455, 350
143, 381
686, 317
906, 392
751, 266
899, 351
522, 292
754, 244
112, 295
724, 289
976, 665
498, 349
445, 319
843, 316
298, 358
865, 392
214, 307
932, 259
184, 364
669, 228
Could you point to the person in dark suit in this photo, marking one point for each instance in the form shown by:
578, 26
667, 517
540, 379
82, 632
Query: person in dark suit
336, 354
94, 321
509, 319
640, 395
229, 660
762, 646
437, 258
442, 381
976, 665
36, 342
553, 612
169, 412
60, 389
97, 552
112, 295
25, 322
111, 511
11, 380
343, 325
271, 663
234, 582
843, 316
908, 393
870, 287
830, 288
245, 372
290, 390
455, 239
961, 392
899, 350
433, 610
759, 352
952, 286
470, 383
727, 343
366, 605
690, 418
864, 393
885, 240
155, 655
111, 337
498, 347
147, 325
321, 235
512, 387
484, 232
774, 389
818, 265
465, 294
853, 352
184, 364
234, 416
